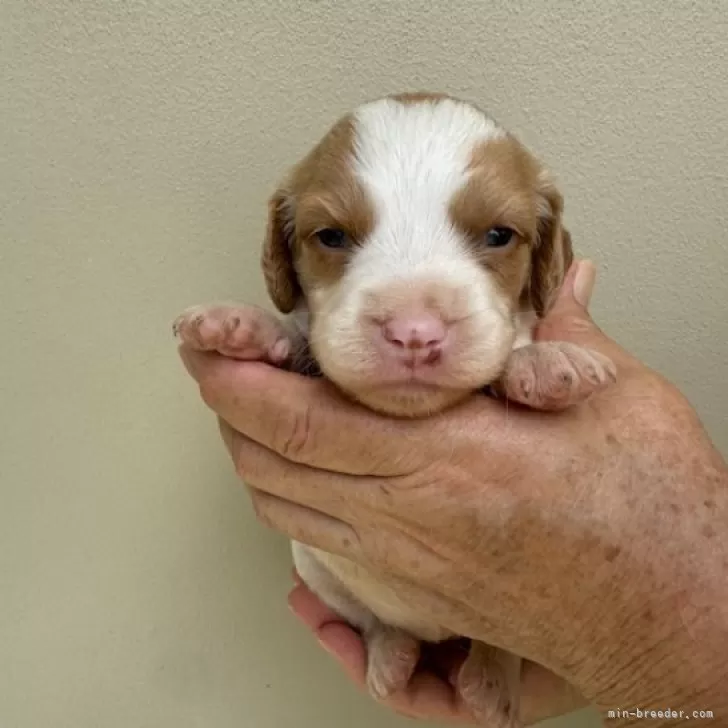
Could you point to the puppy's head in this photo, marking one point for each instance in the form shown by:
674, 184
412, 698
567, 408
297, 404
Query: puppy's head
419, 236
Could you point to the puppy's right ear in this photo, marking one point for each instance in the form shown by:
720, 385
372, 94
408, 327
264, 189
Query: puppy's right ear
277, 257
553, 253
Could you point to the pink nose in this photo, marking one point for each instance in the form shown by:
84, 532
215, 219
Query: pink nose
419, 337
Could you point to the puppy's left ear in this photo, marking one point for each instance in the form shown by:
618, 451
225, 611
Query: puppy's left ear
552, 255
277, 254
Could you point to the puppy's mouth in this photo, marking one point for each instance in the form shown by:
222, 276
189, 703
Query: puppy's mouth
411, 375
416, 390
400, 389
432, 372
415, 377
411, 396
462, 370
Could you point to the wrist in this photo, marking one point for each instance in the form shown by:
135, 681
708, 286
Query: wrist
675, 665
664, 645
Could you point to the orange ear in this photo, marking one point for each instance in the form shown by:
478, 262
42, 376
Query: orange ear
277, 256
552, 255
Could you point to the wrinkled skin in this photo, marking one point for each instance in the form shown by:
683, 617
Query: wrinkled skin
586, 541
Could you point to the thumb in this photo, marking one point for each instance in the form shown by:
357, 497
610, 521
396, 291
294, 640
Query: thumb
569, 320
578, 286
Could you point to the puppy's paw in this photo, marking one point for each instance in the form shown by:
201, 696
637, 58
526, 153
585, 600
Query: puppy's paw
554, 375
240, 332
392, 658
489, 684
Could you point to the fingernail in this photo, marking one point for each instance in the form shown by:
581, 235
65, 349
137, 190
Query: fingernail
293, 607
280, 350
584, 280
326, 646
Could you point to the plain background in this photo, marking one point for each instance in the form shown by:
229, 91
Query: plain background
139, 141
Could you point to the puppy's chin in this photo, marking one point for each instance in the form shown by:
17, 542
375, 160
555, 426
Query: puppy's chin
401, 392
408, 400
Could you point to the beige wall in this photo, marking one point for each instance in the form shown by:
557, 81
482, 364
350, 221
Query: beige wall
139, 140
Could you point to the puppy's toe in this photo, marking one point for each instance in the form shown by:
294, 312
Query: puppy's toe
392, 658
192, 327
240, 332
489, 684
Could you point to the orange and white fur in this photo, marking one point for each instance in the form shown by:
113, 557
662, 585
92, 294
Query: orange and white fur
413, 248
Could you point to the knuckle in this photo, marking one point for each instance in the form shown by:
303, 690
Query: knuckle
207, 393
295, 433
261, 508
210, 391
240, 465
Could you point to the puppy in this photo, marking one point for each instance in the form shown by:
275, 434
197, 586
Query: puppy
413, 249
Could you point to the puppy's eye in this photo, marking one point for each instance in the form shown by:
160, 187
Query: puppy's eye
498, 237
332, 238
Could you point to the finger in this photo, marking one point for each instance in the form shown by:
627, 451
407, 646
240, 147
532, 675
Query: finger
307, 525
545, 695
269, 472
304, 420
339, 639
427, 697
569, 318
346, 646
578, 286
309, 608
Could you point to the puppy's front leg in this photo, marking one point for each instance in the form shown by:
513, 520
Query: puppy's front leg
554, 375
240, 332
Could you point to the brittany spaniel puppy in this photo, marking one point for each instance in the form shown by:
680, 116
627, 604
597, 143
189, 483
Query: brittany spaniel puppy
413, 249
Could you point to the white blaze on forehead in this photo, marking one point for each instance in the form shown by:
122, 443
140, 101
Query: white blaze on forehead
412, 158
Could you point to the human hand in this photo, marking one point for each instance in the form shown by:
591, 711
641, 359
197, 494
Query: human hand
547, 551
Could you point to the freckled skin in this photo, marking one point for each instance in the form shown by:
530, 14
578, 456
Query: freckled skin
611, 553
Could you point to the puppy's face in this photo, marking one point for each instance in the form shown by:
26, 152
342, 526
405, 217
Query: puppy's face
419, 236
